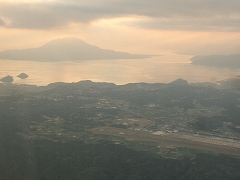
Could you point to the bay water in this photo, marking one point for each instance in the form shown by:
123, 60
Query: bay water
120, 71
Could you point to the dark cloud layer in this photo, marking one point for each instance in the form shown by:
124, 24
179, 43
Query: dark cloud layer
167, 14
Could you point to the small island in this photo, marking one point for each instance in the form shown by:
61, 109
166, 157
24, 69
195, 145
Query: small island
7, 79
23, 76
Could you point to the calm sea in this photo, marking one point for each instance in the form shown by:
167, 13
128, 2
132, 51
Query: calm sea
153, 70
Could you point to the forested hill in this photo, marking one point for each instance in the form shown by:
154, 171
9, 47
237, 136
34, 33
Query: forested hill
89, 131
223, 61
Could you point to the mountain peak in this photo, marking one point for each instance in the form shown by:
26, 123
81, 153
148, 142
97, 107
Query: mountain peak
179, 81
66, 40
69, 48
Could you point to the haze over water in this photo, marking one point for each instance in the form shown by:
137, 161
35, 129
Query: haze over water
195, 28
161, 69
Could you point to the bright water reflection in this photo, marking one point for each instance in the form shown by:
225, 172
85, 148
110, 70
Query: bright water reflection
152, 70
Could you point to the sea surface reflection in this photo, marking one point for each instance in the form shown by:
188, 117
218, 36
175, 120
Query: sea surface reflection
153, 70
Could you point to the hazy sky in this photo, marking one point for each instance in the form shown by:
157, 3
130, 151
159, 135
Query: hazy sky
191, 27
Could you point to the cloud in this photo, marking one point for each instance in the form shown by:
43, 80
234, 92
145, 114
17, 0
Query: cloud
2, 23
164, 14
193, 24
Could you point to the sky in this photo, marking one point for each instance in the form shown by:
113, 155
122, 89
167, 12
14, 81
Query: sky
186, 27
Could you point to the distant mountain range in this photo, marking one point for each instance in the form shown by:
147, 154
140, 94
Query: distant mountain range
67, 49
232, 60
